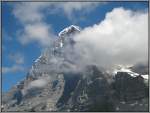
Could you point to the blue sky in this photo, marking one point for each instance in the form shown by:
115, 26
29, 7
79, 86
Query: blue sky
21, 46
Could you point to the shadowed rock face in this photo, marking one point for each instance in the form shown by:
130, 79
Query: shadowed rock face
92, 93
129, 88
71, 80
88, 90
131, 93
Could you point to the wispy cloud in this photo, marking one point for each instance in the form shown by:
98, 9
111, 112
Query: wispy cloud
28, 12
70, 8
17, 58
34, 10
13, 69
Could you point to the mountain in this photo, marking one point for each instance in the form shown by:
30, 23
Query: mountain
53, 84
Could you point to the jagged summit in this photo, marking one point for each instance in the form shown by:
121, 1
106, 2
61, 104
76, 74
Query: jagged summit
68, 30
66, 36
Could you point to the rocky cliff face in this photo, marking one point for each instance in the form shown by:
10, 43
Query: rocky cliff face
49, 87
92, 92
130, 92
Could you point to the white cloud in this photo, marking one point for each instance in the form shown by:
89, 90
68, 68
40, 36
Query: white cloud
69, 8
121, 38
32, 16
39, 32
39, 83
33, 11
28, 12
13, 69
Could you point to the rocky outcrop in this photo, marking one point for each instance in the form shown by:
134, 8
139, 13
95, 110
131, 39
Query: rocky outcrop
131, 93
92, 92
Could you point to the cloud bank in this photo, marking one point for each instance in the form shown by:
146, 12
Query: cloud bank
121, 38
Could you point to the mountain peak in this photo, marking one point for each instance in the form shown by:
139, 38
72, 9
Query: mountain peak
69, 30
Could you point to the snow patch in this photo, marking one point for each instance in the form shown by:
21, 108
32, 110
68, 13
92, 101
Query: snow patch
145, 76
126, 69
